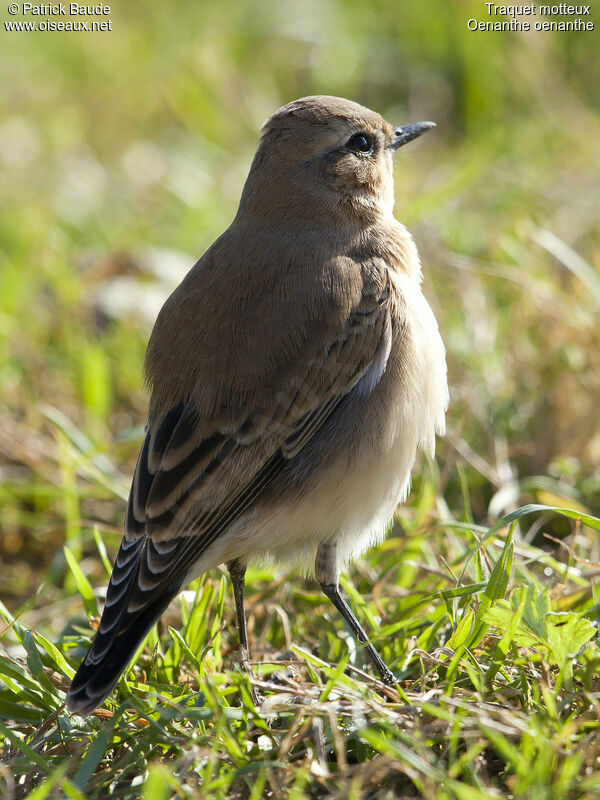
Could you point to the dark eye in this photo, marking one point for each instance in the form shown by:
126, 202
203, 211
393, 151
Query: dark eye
360, 143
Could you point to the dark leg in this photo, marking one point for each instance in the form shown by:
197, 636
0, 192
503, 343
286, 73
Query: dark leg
237, 571
327, 575
332, 590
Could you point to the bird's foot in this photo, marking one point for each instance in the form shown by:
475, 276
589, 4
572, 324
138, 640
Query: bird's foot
387, 677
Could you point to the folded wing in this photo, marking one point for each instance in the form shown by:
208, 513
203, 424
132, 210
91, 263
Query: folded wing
195, 476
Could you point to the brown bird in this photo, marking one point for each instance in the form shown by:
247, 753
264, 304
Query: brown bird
294, 373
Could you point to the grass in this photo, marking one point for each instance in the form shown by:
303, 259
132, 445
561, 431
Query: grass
497, 687
125, 154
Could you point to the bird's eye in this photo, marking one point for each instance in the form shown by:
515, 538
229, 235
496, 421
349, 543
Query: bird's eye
360, 143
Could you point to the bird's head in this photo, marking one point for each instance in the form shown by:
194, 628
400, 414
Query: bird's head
324, 155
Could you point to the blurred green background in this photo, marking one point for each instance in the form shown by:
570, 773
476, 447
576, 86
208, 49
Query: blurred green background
123, 155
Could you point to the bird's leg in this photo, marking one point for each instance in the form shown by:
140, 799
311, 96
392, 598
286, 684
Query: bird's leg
326, 572
237, 572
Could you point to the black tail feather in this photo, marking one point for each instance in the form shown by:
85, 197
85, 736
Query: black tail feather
95, 680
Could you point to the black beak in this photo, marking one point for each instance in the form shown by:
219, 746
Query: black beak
407, 133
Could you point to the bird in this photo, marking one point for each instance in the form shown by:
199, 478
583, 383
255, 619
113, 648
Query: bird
294, 374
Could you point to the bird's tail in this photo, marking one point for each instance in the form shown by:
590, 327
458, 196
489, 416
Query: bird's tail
132, 607
99, 672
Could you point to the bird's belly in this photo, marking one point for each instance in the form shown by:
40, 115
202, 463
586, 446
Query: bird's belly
352, 507
346, 484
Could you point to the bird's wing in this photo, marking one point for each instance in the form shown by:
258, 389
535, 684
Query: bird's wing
187, 460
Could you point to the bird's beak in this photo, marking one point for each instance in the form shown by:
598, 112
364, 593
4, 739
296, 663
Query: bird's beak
407, 133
